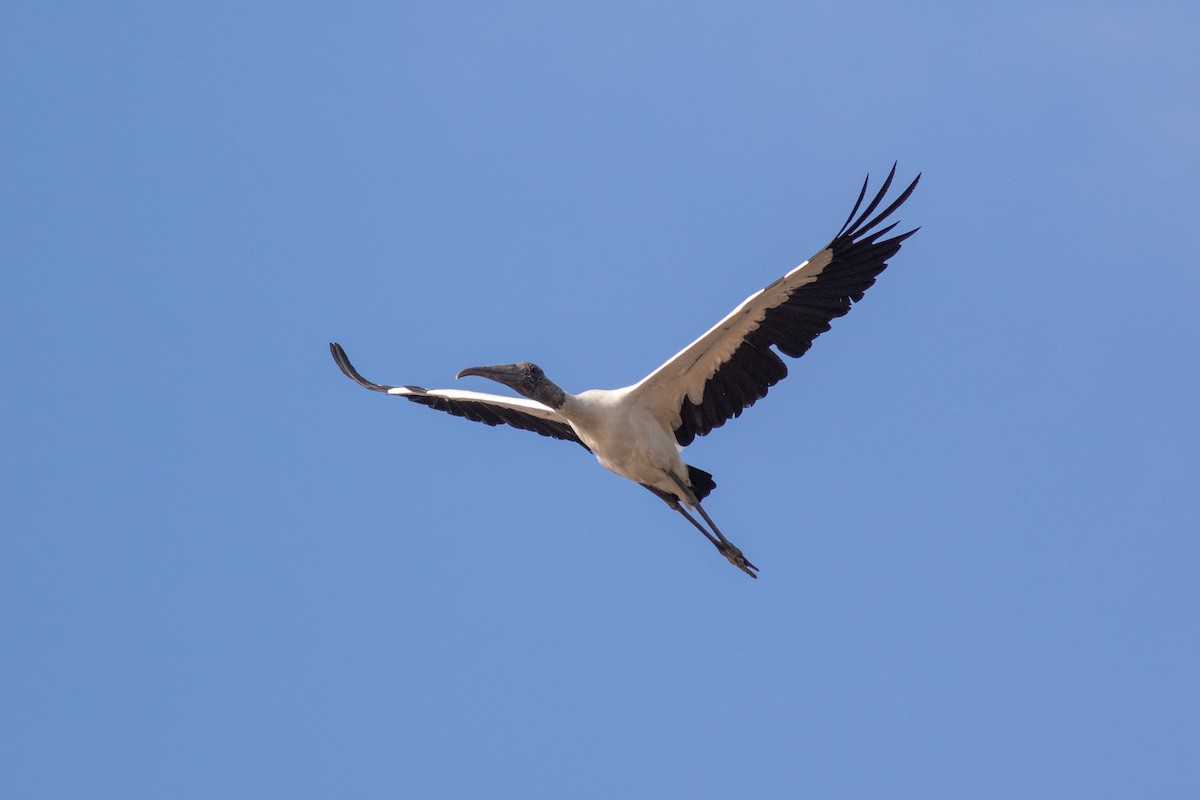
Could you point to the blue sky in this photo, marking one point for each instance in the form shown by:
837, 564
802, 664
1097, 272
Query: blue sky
226, 571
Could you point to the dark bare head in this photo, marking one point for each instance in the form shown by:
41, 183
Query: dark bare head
523, 377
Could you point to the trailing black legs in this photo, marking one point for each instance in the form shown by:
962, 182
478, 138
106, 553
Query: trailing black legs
725, 547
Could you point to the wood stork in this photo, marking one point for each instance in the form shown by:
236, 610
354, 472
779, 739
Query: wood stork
638, 431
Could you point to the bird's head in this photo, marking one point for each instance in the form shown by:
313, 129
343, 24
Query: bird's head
525, 378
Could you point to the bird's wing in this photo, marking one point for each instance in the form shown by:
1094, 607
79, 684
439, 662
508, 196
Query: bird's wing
490, 409
731, 366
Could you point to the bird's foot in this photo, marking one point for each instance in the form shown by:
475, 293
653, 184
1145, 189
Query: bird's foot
734, 556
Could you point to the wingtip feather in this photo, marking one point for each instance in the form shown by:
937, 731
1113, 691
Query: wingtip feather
343, 362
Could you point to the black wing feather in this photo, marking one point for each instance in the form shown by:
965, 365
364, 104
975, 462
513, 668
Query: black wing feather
475, 411
494, 415
859, 254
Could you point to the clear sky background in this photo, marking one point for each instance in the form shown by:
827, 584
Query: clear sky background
226, 571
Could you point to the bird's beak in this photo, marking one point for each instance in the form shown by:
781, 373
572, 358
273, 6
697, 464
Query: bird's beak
502, 373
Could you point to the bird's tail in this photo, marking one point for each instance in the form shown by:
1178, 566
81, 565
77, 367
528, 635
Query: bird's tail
702, 483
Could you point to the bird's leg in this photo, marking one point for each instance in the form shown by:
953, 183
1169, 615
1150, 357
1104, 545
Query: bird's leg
673, 502
723, 545
717, 544
732, 552
729, 549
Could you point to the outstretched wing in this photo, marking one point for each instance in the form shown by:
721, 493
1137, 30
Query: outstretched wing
490, 409
731, 366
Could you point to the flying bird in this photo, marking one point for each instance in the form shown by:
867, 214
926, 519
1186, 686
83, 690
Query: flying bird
638, 431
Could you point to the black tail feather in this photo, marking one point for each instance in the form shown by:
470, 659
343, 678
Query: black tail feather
702, 483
